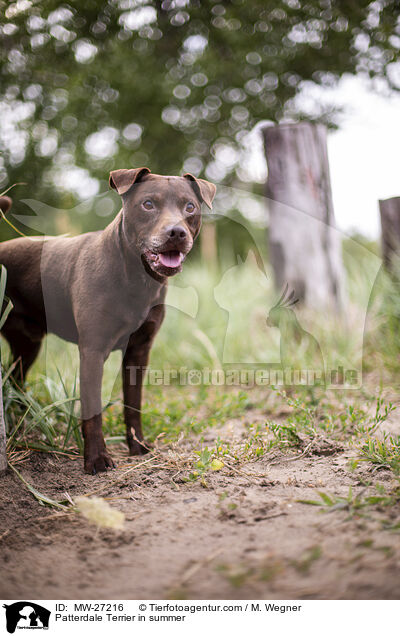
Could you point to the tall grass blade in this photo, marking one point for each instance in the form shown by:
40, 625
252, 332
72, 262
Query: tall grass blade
42, 499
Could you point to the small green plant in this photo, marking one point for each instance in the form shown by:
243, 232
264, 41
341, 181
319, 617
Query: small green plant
304, 564
383, 453
355, 504
382, 413
286, 435
206, 462
351, 502
257, 442
236, 575
301, 423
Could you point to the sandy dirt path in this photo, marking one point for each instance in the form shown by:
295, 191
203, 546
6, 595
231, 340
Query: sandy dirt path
245, 535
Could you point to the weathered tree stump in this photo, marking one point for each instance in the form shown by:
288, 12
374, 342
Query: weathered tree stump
305, 249
390, 223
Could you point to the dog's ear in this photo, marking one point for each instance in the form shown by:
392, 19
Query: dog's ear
5, 204
123, 180
204, 189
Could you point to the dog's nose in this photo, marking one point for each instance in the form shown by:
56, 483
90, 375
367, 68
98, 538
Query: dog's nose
177, 232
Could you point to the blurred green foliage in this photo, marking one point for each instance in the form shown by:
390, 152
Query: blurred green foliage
174, 84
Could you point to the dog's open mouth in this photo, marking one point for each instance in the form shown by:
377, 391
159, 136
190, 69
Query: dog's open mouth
172, 258
168, 262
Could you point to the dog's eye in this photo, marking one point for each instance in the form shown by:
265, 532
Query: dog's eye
190, 207
148, 204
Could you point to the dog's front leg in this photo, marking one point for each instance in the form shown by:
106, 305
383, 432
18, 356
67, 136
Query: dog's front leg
96, 457
133, 370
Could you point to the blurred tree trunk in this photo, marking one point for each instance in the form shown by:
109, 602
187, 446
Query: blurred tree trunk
390, 223
305, 249
3, 453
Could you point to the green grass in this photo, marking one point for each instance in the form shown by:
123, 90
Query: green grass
370, 499
170, 413
383, 453
230, 322
42, 420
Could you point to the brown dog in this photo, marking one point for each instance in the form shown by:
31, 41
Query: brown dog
105, 291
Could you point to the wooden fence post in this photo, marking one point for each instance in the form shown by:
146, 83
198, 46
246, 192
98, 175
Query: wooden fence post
390, 223
305, 249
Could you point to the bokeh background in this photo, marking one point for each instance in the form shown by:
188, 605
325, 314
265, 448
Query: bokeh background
182, 85
176, 85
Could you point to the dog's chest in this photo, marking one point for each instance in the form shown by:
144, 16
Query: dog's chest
139, 301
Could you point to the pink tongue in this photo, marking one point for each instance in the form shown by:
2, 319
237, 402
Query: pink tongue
170, 259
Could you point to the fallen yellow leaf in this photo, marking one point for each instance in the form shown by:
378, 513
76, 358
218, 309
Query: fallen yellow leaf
99, 511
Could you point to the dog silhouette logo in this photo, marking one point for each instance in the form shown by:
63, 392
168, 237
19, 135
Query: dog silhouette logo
298, 347
26, 615
242, 304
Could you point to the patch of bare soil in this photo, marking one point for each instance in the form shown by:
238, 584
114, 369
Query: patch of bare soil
245, 535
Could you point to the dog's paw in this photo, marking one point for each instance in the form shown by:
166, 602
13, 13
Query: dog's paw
99, 463
138, 448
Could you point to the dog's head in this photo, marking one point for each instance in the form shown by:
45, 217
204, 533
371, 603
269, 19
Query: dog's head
162, 215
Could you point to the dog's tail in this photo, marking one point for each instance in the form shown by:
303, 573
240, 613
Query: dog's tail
5, 204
